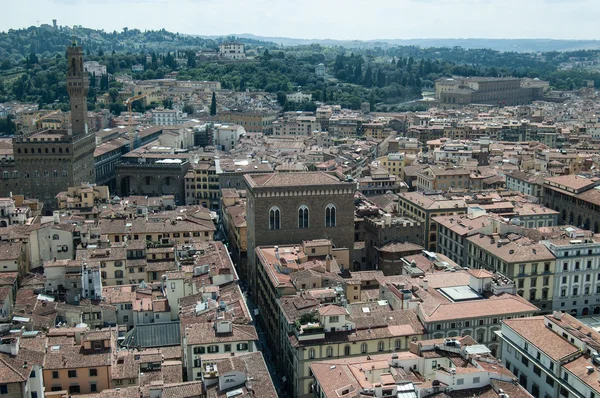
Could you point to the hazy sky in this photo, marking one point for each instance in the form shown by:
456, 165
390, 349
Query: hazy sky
337, 19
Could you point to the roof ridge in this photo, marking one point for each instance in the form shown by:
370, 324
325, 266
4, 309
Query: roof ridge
12, 368
269, 179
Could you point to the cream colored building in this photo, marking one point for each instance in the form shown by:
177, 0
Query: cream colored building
85, 196
530, 264
394, 163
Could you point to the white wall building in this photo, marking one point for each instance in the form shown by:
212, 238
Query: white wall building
553, 356
167, 117
232, 50
226, 136
91, 282
299, 97
137, 68
94, 67
576, 283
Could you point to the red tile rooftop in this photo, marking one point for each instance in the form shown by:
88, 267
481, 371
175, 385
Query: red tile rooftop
549, 342
275, 180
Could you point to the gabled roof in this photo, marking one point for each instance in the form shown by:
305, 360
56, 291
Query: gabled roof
331, 310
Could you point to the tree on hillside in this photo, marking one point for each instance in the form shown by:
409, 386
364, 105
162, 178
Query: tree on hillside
213, 105
7, 125
372, 101
188, 109
114, 94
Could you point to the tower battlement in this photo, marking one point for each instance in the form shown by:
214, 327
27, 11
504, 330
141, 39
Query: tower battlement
77, 87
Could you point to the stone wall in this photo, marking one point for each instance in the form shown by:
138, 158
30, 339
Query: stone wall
288, 200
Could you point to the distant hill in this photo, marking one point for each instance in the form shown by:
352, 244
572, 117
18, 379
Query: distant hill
516, 45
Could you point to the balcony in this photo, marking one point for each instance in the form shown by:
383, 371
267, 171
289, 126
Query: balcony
310, 331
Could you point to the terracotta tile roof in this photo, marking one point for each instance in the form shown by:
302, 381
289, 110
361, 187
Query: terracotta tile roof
10, 250
188, 389
140, 226
397, 247
172, 372
124, 366
517, 250
294, 306
336, 375
258, 379
535, 331
571, 181
330, 310
463, 224
578, 368
578, 329
16, 369
504, 304
275, 180
432, 202
205, 333
64, 354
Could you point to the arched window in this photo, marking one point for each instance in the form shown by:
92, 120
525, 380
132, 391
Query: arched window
330, 216
347, 350
274, 218
397, 344
303, 217
55, 173
311, 353
55, 237
65, 173
5, 175
363, 348
15, 174
329, 352
380, 346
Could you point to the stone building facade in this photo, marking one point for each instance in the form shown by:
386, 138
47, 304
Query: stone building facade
48, 162
152, 179
576, 198
389, 229
485, 90
288, 208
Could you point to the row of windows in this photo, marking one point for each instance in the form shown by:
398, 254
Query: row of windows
363, 349
39, 150
73, 373
215, 348
303, 217
36, 174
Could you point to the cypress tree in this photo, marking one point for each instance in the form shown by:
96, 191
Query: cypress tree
213, 105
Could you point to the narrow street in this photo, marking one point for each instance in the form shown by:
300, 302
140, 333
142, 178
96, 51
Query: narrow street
262, 345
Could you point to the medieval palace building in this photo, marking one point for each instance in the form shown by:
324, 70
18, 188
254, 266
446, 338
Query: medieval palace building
49, 161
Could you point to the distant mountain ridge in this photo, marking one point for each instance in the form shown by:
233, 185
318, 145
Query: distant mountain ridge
504, 45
